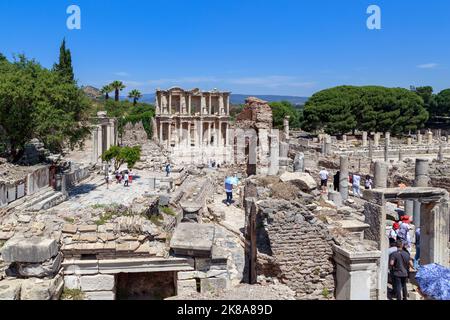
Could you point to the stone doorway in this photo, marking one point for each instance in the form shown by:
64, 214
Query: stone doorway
145, 286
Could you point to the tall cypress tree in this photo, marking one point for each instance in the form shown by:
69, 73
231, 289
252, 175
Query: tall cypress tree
64, 67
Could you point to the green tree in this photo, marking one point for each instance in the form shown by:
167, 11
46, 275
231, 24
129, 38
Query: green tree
443, 103
342, 109
121, 155
35, 103
429, 99
282, 109
64, 68
117, 87
106, 90
135, 95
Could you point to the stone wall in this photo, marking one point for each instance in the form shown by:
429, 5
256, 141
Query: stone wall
134, 134
77, 176
296, 248
37, 180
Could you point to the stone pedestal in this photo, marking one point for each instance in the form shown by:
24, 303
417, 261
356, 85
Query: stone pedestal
409, 141
441, 154
336, 198
419, 138
429, 137
356, 274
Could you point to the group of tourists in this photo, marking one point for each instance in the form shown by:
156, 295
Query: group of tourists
354, 180
125, 176
401, 263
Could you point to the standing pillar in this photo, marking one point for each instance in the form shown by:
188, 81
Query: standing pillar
364, 139
343, 178
190, 104
95, 154
209, 133
386, 152
220, 137
286, 127
421, 180
434, 233
400, 154
370, 149
161, 124
409, 141
100, 140
376, 140
169, 141
430, 137
387, 138
210, 104
227, 135
180, 133
201, 134
170, 103
419, 138
274, 167
189, 135
380, 175
344, 138
299, 162
441, 153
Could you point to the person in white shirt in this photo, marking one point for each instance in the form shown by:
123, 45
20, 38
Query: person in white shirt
356, 185
324, 175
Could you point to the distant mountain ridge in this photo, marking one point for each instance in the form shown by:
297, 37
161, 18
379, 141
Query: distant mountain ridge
95, 93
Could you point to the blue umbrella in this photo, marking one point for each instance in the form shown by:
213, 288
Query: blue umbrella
434, 281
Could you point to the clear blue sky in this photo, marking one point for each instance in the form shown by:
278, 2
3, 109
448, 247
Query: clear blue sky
292, 47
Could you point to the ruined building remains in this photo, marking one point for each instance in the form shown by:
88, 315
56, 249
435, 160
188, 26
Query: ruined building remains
193, 124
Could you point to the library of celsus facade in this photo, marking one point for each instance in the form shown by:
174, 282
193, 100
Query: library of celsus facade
194, 125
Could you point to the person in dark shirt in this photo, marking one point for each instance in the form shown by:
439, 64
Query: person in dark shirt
400, 262
336, 181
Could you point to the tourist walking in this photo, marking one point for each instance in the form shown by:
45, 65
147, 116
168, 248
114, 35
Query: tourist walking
400, 263
417, 256
130, 176
127, 179
168, 170
324, 175
356, 184
368, 183
336, 181
393, 234
229, 190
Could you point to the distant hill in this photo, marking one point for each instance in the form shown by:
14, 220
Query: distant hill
91, 92
240, 98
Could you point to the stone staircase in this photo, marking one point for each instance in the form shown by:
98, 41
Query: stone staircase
44, 199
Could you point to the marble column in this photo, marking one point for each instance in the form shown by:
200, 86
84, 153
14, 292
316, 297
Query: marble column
95, 154
221, 105
227, 135
209, 133
364, 139
299, 162
183, 104
170, 103
161, 124
386, 152
274, 155
400, 154
419, 137
380, 175
430, 137
189, 135
387, 138
220, 137
169, 141
100, 140
210, 104
343, 178
370, 149
409, 141
421, 180
376, 140
190, 104
441, 153
286, 126
180, 133
228, 105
